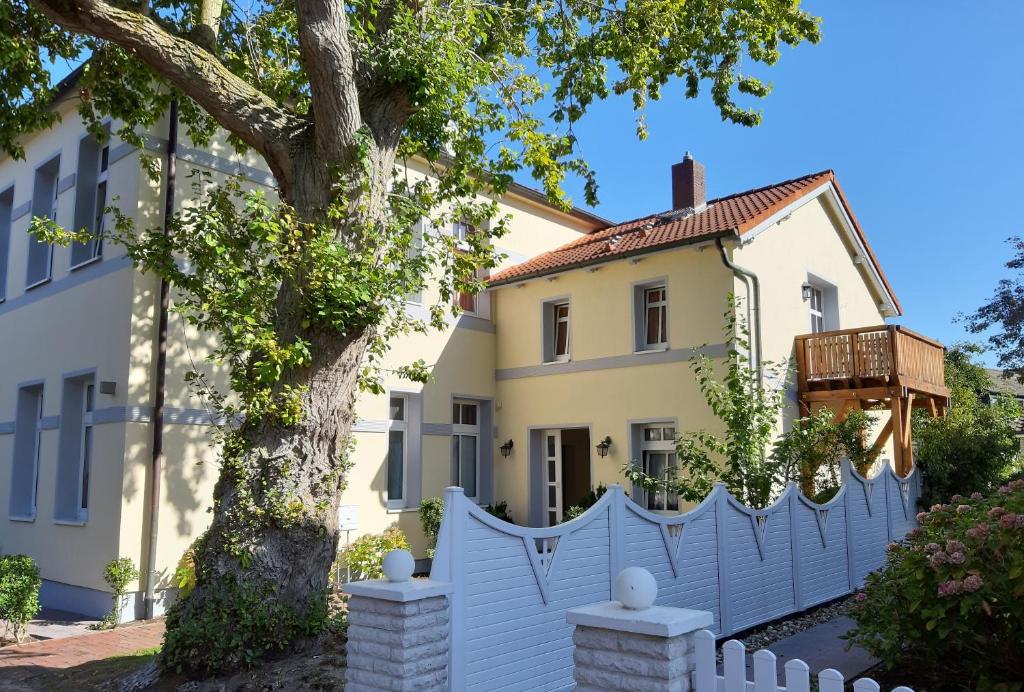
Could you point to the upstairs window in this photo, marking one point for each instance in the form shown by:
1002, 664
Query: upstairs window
556, 332
461, 232
655, 316
28, 431
816, 308
90, 198
44, 205
6, 212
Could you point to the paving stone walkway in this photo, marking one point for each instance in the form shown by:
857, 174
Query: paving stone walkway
820, 647
20, 664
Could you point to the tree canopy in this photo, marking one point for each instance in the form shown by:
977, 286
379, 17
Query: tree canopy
1004, 313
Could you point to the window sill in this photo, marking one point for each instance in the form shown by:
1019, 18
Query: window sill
69, 522
86, 263
557, 361
652, 349
402, 510
41, 282
23, 518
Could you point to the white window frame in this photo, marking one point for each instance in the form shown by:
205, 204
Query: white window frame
816, 315
86, 453
555, 322
662, 305
463, 430
402, 426
660, 446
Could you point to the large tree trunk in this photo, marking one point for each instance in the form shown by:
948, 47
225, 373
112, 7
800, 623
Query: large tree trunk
265, 561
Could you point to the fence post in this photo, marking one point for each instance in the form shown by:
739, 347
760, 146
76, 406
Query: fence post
650, 648
397, 635
616, 539
721, 535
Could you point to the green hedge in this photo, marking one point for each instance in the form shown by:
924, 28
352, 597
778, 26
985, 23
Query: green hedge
19, 592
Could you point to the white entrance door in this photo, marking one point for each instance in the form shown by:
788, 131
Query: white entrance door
553, 475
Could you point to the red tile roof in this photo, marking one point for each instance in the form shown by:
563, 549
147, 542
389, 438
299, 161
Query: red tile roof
733, 215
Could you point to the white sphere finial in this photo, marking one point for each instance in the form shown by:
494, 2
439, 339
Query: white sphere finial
398, 565
636, 588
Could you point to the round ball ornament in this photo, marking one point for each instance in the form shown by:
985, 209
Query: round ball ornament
399, 565
636, 588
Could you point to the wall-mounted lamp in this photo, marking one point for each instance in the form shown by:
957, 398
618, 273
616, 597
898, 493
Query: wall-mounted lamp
506, 449
603, 445
805, 291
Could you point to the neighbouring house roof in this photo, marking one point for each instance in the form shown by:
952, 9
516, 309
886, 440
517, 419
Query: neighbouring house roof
730, 216
1008, 384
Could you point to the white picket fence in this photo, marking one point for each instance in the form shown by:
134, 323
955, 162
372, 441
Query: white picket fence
798, 674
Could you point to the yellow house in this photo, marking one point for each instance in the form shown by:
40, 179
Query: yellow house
573, 362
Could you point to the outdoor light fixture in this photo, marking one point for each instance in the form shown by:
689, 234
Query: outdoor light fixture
506, 449
806, 291
603, 445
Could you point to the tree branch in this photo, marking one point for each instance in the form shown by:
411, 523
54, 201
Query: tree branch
234, 103
330, 66
209, 22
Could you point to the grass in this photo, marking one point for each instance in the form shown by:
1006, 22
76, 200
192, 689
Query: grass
94, 675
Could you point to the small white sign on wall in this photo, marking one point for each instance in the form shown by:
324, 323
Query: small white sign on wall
348, 517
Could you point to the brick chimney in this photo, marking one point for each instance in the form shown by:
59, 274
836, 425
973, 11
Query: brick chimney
688, 190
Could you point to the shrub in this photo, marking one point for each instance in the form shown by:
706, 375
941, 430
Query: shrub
950, 599
19, 593
118, 574
365, 557
431, 511
185, 573
585, 504
500, 510
974, 445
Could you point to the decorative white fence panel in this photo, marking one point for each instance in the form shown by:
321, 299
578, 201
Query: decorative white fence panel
797, 673
511, 585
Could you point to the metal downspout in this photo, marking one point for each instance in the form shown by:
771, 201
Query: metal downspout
753, 284
161, 374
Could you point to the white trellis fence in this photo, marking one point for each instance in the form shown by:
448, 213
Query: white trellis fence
797, 673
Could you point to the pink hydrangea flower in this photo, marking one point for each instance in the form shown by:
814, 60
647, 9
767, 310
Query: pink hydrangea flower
963, 509
892, 547
933, 547
972, 583
950, 588
955, 547
914, 532
976, 496
1017, 484
957, 558
978, 532
935, 508
996, 512
861, 597
1019, 523
1008, 520
938, 559
921, 516
956, 498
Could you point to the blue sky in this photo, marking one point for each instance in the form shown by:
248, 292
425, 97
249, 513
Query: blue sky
917, 106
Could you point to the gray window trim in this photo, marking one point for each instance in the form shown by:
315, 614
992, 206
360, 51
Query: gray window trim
486, 445
830, 302
87, 173
413, 428
639, 315
22, 427
67, 508
634, 430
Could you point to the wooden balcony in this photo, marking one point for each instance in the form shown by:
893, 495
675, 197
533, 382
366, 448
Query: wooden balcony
870, 367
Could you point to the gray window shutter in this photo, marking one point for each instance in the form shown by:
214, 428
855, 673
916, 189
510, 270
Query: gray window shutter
536, 480
6, 218
23, 470
547, 331
485, 484
638, 494
639, 333
414, 452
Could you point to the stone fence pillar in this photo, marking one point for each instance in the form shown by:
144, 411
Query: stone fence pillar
398, 635
635, 648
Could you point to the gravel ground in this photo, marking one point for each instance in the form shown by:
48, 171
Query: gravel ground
763, 636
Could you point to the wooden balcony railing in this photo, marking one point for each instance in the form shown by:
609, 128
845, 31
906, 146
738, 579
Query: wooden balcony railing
870, 357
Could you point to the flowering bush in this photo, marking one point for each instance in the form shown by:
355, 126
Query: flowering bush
365, 557
949, 602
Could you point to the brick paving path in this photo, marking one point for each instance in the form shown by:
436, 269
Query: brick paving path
23, 662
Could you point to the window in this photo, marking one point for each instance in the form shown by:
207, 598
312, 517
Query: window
658, 451
816, 307
28, 431
74, 454
655, 316
461, 231
466, 446
6, 213
397, 450
90, 198
415, 250
557, 340
44, 205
